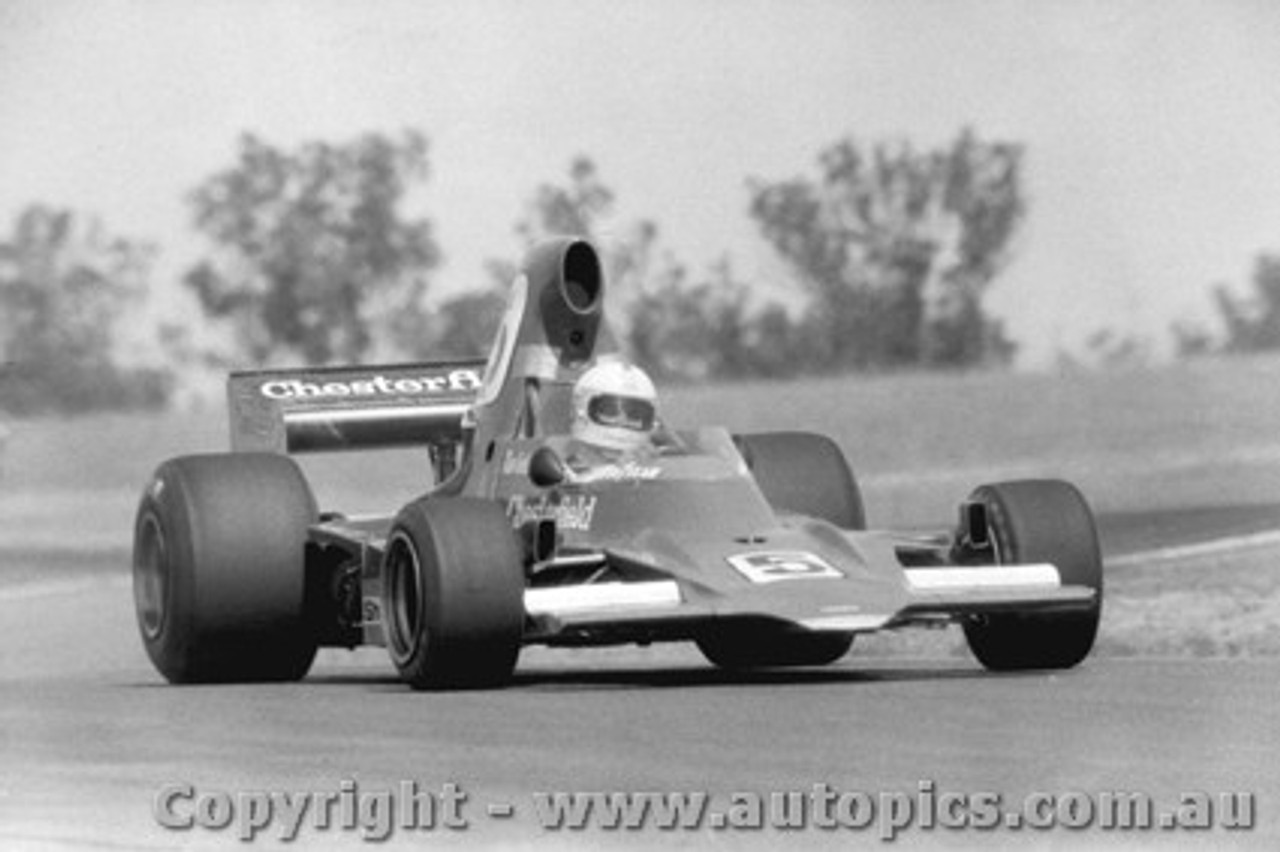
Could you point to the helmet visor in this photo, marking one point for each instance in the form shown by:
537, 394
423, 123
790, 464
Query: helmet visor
627, 412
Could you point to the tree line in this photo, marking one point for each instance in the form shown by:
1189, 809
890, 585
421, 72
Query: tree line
311, 258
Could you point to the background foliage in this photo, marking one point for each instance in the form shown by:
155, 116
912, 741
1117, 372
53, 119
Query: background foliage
313, 259
65, 287
314, 256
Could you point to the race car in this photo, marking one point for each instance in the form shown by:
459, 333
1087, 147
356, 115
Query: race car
565, 511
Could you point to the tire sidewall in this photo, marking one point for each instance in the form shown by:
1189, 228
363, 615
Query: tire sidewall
166, 504
412, 532
469, 615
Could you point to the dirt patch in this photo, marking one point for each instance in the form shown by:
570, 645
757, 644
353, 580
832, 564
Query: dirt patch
1225, 605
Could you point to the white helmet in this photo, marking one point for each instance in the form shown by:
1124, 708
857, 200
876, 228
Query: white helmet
614, 406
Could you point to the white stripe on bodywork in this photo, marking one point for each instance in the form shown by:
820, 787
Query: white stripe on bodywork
1038, 575
572, 600
852, 623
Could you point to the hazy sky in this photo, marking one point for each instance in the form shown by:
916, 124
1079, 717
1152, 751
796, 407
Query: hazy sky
1153, 128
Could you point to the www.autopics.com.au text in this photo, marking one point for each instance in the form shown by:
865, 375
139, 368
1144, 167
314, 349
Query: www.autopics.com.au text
377, 814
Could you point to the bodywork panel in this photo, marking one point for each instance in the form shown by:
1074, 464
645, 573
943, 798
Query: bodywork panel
806, 574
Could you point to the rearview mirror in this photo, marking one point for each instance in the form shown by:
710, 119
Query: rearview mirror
546, 468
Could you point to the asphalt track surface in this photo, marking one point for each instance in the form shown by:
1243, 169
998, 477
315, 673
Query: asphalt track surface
90, 737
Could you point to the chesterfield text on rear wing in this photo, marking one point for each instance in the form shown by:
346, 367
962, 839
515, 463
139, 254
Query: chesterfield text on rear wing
347, 408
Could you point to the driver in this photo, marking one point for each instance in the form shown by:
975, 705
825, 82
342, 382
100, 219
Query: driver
614, 410
615, 434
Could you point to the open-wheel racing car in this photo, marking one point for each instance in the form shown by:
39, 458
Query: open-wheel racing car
565, 512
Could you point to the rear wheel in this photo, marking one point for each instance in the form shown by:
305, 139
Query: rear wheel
803, 473
453, 594
219, 569
1031, 522
751, 645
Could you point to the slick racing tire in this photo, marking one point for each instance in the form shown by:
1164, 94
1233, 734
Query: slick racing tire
802, 473
750, 645
1035, 522
453, 594
219, 569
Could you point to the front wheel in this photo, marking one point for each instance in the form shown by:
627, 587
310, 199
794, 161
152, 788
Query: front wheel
219, 569
1031, 522
453, 594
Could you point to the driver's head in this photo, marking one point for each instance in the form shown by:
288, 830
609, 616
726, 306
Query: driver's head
614, 406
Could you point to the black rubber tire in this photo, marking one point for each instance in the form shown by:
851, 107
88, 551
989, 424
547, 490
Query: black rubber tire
1040, 521
453, 594
750, 645
803, 473
219, 569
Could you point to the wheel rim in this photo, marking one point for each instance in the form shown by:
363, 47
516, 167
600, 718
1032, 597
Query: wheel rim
404, 590
151, 578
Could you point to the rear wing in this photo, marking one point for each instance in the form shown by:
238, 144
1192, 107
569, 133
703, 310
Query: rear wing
347, 408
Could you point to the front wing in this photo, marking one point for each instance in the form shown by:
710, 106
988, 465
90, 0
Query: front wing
930, 594
812, 580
